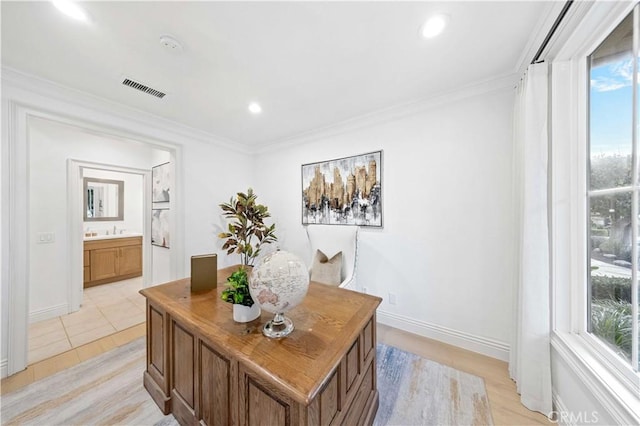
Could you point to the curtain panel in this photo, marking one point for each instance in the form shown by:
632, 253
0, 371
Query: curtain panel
530, 355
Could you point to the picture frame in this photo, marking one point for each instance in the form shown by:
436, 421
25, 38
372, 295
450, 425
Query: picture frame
160, 219
161, 183
343, 191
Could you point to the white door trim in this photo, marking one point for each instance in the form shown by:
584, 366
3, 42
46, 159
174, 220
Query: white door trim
16, 247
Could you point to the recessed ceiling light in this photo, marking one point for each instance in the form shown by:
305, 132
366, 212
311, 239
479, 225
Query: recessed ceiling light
255, 108
434, 25
70, 9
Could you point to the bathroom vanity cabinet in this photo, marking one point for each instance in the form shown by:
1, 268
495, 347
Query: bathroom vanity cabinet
112, 259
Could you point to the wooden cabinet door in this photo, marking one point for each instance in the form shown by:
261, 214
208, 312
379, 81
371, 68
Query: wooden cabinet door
130, 260
183, 380
263, 405
104, 263
218, 388
156, 377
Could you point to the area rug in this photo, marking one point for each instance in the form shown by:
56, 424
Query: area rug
107, 390
416, 391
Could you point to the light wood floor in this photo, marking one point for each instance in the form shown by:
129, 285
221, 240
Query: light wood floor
505, 402
506, 408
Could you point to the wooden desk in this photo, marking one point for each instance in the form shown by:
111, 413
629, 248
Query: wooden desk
207, 369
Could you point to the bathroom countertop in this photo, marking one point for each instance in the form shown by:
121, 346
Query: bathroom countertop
112, 236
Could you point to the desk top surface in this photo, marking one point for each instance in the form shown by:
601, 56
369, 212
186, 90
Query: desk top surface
326, 323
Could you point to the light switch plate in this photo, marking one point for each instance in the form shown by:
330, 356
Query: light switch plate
45, 237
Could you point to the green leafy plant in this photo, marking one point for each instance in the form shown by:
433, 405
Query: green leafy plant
605, 287
247, 232
237, 290
612, 321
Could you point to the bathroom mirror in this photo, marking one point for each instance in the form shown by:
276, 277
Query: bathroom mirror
103, 199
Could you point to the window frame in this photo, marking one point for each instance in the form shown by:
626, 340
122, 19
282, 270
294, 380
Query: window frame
611, 381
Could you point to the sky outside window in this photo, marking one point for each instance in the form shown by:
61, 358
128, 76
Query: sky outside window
611, 107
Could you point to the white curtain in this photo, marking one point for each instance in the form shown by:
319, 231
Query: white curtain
530, 357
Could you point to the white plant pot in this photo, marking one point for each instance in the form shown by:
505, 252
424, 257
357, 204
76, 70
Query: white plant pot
243, 313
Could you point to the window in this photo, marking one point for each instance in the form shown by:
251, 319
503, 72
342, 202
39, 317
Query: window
613, 183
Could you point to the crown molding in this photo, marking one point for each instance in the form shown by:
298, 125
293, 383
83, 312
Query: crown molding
39, 86
504, 82
542, 28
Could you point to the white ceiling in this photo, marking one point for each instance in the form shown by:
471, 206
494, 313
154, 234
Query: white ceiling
309, 64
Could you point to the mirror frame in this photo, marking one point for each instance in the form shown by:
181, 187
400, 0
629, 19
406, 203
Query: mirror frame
120, 183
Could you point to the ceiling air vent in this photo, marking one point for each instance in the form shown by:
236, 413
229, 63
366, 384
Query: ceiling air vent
146, 89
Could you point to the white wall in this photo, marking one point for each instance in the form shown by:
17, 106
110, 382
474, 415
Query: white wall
212, 176
133, 202
446, 249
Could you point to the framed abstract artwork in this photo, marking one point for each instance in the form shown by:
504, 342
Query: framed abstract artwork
161, 183
160, 227
344, 191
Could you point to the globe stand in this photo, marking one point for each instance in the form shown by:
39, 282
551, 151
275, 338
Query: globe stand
279, 326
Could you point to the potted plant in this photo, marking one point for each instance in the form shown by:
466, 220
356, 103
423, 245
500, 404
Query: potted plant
246, 235
237, 292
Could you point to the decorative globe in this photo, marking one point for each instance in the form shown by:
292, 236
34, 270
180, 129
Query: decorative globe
279, 283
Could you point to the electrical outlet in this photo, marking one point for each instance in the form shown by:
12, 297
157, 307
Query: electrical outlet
392, 298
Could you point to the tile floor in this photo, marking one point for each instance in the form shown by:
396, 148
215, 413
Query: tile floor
68, 359
106, 309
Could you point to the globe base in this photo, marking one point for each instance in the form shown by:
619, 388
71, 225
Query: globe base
279, 326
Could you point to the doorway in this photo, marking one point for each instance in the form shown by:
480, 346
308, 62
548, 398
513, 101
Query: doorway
112, 267
45, 248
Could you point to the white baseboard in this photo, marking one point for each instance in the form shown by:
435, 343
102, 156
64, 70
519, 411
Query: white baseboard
482, 345
4, 372
559, 407
48, 313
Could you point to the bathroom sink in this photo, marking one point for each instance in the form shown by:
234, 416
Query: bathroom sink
112, 236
